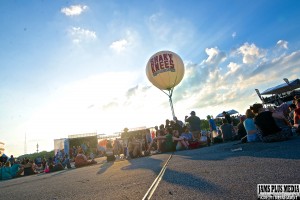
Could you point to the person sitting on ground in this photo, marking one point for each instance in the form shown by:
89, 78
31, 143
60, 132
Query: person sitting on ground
148, 137
241, 131
134, 148
38, 168
227, 131
190, 140
250, 127
117, 147
284, 108
161, 131
167, 124
6, 171
3, 158
57, 167
218, 137
66, 162
109, 152
180, 144
292, 108
176, 126
81, 160
9, 172
297, 116
268, 130
187, 135
282, 122
29, 168
17, 169
168, 139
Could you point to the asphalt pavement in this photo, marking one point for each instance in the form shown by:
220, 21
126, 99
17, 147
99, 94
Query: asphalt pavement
221, 171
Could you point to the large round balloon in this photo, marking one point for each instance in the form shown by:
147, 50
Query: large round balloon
165, 70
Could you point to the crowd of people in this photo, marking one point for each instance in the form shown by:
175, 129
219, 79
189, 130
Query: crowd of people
12, 167
259, 124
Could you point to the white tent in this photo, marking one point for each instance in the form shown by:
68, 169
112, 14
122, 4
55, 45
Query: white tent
230, 112
285, 87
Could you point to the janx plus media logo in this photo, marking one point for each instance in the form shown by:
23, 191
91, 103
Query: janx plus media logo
278, 191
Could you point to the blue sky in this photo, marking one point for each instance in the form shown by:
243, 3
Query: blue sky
69, 67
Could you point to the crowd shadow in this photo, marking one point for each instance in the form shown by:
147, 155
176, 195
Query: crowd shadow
104, 166
192, 181
289, 149
185, 179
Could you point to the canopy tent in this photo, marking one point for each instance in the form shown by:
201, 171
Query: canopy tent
230, 112
285, 87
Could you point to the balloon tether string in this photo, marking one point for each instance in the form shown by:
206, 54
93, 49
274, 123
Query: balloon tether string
170, 100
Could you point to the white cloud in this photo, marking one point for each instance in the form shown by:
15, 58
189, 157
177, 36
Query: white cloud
79, 34
119, 45
170, 30
282, 44
233, 35
215, 56
250, 52
74, 10
130, 39
233, 67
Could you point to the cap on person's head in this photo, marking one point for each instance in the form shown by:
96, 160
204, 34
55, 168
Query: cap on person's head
193, 113
224, 112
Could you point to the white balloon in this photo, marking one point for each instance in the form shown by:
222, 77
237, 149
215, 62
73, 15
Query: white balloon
165, 70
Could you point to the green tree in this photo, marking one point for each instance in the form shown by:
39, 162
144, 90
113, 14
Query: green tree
41, 154
204, 124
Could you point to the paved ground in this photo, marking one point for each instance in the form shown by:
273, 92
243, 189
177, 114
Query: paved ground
223, 171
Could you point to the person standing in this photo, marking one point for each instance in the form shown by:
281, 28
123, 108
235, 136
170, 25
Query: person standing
194, 123
227, 117
11, 160
178, 121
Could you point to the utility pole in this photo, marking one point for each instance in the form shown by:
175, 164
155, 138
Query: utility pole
37, 148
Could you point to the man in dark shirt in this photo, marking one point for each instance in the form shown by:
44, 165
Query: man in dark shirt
266, 123
194, 123
227, 117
